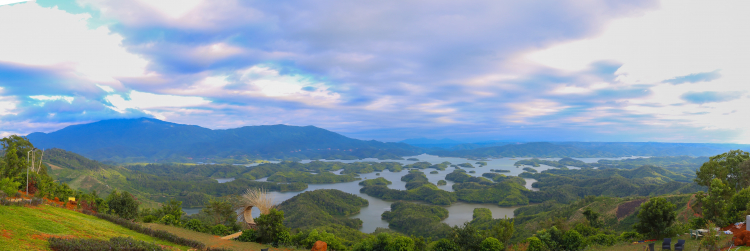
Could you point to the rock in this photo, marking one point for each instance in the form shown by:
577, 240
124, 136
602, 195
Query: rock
319, 246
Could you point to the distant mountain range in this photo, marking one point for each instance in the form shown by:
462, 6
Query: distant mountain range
152, 140
592, 149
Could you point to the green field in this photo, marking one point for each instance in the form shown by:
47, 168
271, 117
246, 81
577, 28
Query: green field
27, 228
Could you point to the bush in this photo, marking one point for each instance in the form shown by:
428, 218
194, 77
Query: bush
307, 239
220, 230
446, 245
150, 232
149, 219
535, 244
491, 244
572, 240
602, 239
116, 243
123, 204
169, 220
249, 235
630, 236
8, 186
196, 225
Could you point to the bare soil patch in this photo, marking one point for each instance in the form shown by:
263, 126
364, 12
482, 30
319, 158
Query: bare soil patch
627, 208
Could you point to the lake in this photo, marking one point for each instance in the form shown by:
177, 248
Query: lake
459, 212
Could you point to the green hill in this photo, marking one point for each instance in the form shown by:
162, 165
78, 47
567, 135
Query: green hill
27, 228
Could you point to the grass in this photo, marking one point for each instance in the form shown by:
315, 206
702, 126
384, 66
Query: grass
28, 228
214, 241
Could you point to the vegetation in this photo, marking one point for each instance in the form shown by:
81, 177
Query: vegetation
380, 181
325, 209
656, 217
416, 219
115, 243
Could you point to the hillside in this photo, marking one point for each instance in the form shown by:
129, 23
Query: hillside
152, 140
27, 228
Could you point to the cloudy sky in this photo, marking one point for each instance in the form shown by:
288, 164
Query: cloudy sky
472, 70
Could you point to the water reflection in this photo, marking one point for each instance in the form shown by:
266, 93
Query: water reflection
459, 212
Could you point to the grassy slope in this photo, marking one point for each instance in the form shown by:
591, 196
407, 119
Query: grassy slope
213, 240
103, 181
27, 228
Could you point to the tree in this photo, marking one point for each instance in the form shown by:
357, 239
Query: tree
13, 165
503, 230
446, 245
491, 244
714, 205
173, 207
271, 228
572, 240
738, 205
655, 218
220, 212
727, 167
123, 204
466, 237
592, 217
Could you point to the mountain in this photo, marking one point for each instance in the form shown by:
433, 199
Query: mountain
590, 149
152, 140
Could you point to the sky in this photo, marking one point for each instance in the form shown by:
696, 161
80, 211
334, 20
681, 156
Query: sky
471, 70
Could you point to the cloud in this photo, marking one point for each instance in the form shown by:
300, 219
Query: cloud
50, 37
696, 77
709, 97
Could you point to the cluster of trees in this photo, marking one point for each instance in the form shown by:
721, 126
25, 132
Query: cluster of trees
304, 177
380, 181
727, 177
418, 188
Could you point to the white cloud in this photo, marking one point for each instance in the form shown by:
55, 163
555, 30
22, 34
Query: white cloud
681, 38
172, 8
39, 36
7, 104
143, 101
106, 88
268, 82
6, 2
45, 98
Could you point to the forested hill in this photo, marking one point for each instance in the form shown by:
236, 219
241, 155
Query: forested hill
593, 149
152, 140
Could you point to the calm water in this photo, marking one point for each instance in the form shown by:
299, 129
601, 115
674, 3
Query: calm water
459, 212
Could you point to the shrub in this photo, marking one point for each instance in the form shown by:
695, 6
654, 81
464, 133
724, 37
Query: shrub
8, 186
446, 245
220, 230
123, 204
602, 239
115, 243
491, 244
307, 239
149, 219
535, 244
572, 240
248, 235
630, 236
150, 232
169, 220
196, 225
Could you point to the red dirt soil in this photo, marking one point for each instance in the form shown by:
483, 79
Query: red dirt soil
627, 208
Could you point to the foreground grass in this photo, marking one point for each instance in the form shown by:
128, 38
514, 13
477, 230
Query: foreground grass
214, 241
27, 228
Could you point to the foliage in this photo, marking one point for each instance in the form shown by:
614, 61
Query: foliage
387, 242
219, 211
417, 219
123, 204
446, 245
727, 168
602, 239
115, 243
307, 239
322, 207
491, 244
8, 186
304, 177
248, 235
195, 225
220, 230
714, 204
442, 183
148, 231
271, 228
466, 236
655, 218
710, 240
380, 181
535, 244
592, 217
572, 240
426, 192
